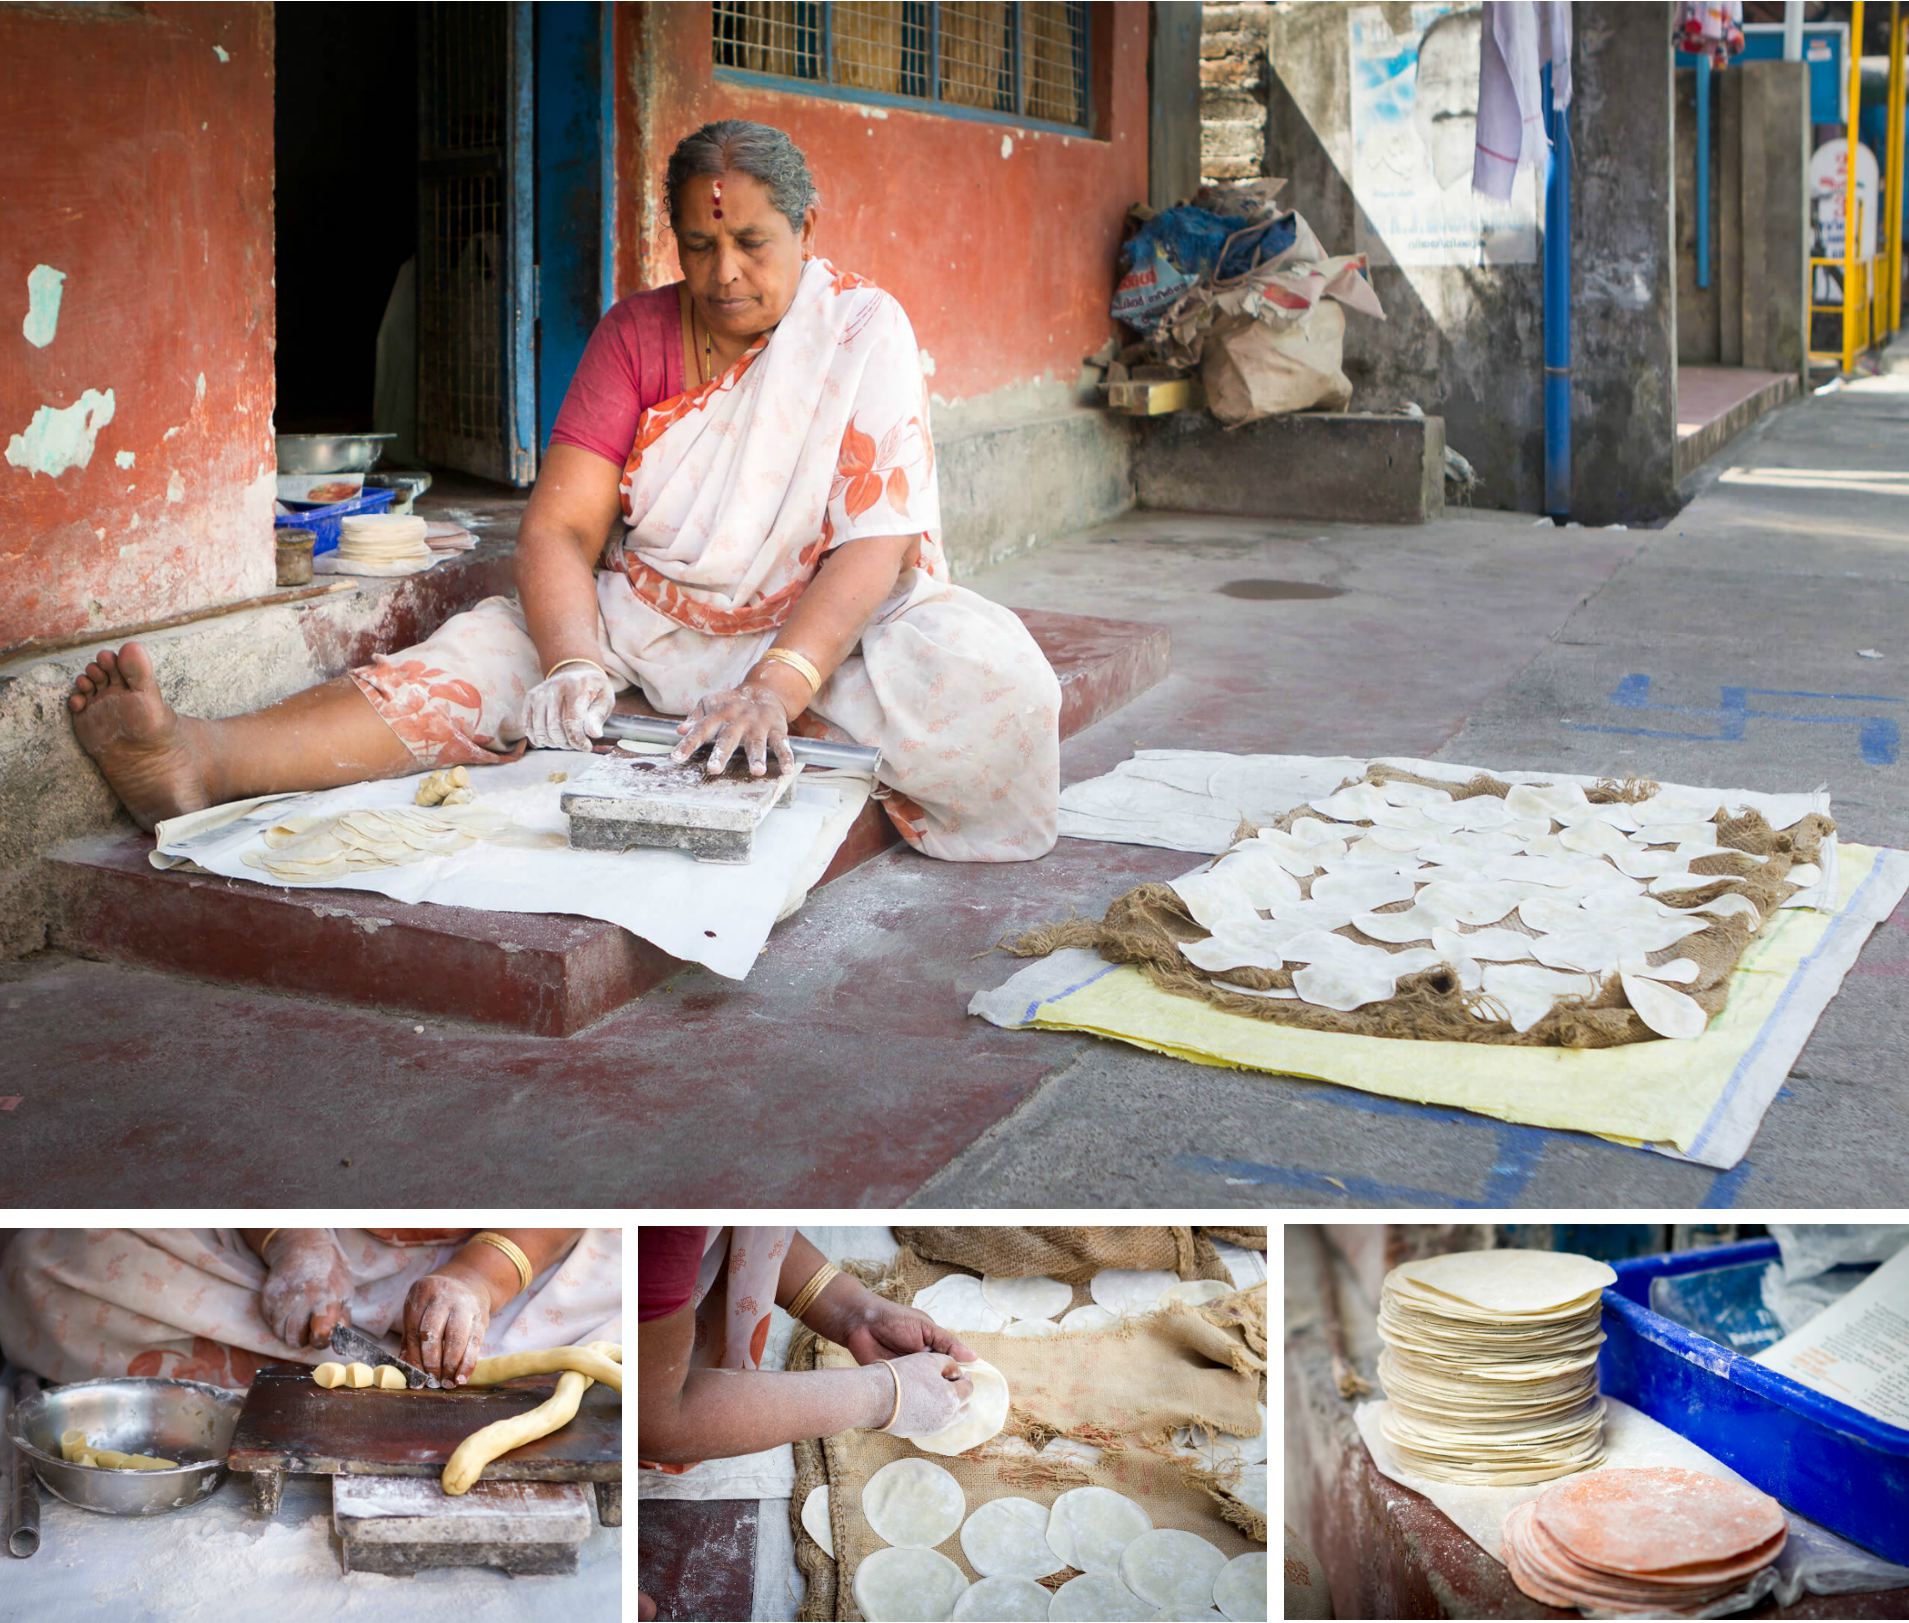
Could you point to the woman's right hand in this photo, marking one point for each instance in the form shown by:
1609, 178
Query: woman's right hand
933, 1390
307, 1290
567, 711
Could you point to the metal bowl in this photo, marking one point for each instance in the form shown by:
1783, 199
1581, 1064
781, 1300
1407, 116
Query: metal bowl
187, 1421
330, 453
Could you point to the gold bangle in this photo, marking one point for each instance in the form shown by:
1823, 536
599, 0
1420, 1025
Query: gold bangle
511, 1249
798, 663
270, 1235
579, 660
889, 1365
819, 1281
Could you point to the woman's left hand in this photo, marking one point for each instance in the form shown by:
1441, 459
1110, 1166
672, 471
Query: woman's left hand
445, 1319
750, 718
872, 1327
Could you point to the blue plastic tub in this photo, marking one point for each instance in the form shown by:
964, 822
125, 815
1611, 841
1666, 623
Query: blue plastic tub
1823, 1459
324, 522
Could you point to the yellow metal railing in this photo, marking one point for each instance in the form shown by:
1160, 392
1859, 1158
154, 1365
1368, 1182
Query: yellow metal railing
1871, 289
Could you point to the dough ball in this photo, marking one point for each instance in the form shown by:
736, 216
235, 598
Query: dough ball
907, 1585
982, 1416
1007, 1538
1128, 1291
329, 1375
359, 1375
1003, 1600
815, 1518
956, 1303
1089, 1527
1091, 1316
390, 1378
1035, 1298
1240, 1589
1098, 1597
915, 1504
1172, 1568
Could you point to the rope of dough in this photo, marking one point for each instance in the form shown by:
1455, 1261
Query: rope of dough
592, 1360
467, 1463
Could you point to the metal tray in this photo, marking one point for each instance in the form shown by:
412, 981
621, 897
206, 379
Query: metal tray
330, 453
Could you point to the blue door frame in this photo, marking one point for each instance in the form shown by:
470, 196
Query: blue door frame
574, 192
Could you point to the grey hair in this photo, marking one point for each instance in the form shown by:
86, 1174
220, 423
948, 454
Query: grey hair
736, 145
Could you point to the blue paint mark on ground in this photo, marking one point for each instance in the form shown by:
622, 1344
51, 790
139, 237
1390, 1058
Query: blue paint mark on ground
1727, 1187
1879, 738
1352, 1188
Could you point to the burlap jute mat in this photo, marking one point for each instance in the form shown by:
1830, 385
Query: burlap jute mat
1124, 1390
1072, 1255
1147, 926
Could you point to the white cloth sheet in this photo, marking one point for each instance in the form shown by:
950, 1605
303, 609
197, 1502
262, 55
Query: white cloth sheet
711, 913
1519, 38
1814, 1561
221, 1560
1193, 800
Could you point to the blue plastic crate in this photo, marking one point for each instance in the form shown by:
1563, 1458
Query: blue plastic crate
324, 522
1840, 1468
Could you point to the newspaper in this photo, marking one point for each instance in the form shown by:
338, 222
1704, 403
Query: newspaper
1857, 1351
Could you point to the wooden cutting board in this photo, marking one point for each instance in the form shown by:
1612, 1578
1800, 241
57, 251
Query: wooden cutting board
290, 1424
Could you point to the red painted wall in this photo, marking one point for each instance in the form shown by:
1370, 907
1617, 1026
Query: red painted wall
139, 162
1005, 264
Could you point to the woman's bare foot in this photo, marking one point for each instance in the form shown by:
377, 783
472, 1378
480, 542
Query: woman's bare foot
146, 750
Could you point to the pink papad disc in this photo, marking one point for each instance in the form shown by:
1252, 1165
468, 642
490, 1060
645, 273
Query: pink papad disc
1640, 1521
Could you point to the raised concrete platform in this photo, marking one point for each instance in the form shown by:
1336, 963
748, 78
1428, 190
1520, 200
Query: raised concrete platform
543, 974
1349, 466
1717, 403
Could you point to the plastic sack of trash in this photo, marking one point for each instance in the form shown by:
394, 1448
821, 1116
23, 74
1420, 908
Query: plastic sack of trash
1183, 246
1254, 368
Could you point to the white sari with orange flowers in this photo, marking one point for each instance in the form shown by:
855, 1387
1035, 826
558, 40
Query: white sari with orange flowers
733, 495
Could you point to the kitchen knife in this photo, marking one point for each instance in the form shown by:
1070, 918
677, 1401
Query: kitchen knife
360, 1348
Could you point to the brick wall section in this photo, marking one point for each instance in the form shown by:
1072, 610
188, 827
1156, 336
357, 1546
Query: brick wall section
1233, 91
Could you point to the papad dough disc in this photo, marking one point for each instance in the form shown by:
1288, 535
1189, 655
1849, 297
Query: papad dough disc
1003, 1600
1089, 1527
1240, 1590
1007, 1538
1172, 1569
1030, 1298
981, 1418
815, 1519
1098, 1597
908, 1586
914, 1503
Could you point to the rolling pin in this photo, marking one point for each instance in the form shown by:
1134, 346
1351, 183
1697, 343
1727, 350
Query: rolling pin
19, 1499
817, 752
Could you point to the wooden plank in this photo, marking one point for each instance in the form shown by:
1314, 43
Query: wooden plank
289, 1424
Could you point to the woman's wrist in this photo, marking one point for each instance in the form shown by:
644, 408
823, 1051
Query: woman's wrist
884, 1396
781, 683
495, 1281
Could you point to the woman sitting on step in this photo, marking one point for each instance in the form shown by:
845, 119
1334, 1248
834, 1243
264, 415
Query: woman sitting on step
760, 430
217, 1305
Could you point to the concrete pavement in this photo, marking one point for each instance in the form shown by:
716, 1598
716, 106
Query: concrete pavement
845, 1071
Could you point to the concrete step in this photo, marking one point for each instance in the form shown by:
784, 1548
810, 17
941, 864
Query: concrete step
548, 975
1354, 467
1721, 407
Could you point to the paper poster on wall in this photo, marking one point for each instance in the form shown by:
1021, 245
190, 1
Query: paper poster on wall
1829, 191
1414, 122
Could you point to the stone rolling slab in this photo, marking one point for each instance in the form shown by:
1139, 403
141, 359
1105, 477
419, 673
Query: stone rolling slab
547, 975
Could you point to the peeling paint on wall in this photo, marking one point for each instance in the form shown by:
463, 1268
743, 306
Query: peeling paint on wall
62, 437
125, 459
44, 287
222, 53
927, 364
1007, 146
175, 487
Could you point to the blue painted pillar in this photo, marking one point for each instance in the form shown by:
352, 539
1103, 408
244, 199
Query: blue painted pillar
1703, 170
1557, 312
